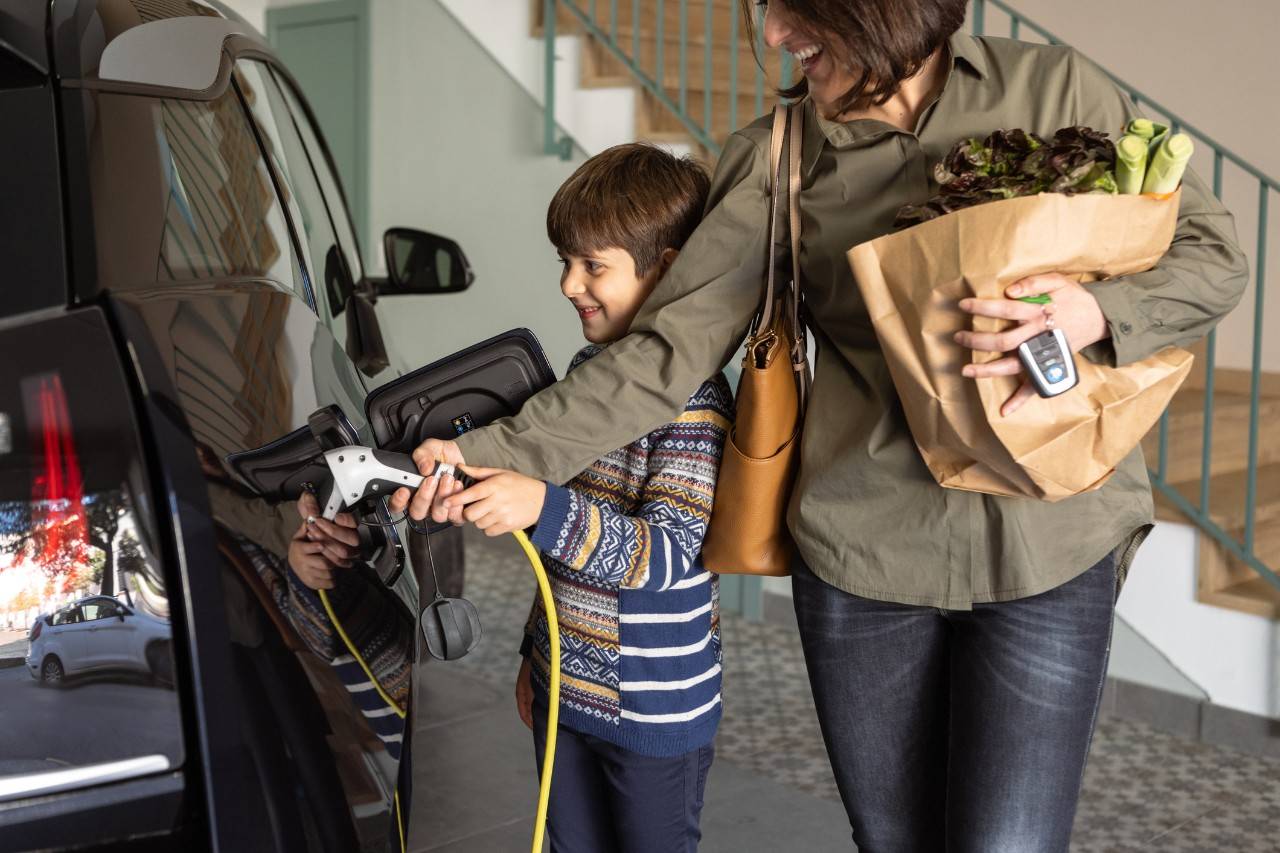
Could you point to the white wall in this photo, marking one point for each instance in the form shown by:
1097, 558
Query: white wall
596, 118
1230, 655
457, 149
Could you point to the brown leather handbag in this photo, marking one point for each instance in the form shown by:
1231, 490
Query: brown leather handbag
748, 533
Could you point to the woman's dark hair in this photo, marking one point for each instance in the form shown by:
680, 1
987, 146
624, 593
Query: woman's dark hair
635, 197
880, 42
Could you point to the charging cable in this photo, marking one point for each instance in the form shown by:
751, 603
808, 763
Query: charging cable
395, 470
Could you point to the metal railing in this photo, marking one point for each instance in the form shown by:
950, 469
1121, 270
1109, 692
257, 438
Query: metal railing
648, 20
608, 22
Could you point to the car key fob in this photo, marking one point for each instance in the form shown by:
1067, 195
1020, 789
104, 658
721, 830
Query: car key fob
1048, 361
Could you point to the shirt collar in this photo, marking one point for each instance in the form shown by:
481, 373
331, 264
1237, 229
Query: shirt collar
965, 48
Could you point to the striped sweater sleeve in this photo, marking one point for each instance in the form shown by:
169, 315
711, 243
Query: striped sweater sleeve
659, 544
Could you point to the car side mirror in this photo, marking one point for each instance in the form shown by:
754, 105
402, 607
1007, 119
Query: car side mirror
420, 262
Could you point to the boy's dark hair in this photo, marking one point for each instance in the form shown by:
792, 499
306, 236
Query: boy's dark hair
635, 197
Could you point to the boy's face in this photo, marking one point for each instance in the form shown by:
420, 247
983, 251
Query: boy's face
605, 290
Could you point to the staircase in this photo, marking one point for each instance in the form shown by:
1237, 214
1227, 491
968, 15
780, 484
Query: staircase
702, 93
698, 79
1223, 579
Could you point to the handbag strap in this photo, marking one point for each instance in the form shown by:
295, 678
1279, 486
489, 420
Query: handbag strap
764, 317
799, 354
788, 135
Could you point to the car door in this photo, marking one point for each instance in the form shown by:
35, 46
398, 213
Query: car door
71, 642
112, 637
202, 253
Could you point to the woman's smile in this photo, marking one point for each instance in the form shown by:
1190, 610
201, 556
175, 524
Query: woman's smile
808, 56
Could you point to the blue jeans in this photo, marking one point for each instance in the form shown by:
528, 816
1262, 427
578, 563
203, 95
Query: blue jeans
606, 799
958, 731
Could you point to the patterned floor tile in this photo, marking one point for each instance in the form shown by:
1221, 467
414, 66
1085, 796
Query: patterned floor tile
1145, 790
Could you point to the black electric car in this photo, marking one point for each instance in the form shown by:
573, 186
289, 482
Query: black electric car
186, 321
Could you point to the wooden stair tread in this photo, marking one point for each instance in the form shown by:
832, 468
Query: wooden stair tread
1226, 496
1250, 595
1253, 595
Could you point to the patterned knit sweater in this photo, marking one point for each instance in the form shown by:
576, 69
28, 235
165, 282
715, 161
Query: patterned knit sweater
639, 615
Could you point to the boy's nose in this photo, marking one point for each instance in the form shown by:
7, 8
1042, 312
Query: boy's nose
777, 27
571, 285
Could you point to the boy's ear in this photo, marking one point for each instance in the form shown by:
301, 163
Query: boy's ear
665, 261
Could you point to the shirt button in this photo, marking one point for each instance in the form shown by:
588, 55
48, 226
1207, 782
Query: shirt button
1126, 328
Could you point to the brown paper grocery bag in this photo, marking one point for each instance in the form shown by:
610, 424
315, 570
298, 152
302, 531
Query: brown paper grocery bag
1052, 448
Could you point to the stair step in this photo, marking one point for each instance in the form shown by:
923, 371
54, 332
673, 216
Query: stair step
1251, 595
1227, 494
721, 26
652, 118
605, 69
1230, 446
1224, 581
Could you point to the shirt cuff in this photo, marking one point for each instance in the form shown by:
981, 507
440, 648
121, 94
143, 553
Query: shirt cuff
480, 447
1127, 342
555, 510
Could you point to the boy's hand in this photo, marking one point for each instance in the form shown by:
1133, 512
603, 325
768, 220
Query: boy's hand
524, 694
320, 546
432, 491
501, 502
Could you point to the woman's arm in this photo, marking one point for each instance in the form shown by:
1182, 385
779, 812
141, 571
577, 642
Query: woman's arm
658, 545
686, 331
1197, 282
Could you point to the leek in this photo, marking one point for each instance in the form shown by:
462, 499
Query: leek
1131, 162
1144, 127
1167, 166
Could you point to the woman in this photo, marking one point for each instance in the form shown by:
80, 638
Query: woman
956, 642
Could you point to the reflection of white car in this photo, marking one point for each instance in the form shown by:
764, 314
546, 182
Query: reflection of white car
98, 633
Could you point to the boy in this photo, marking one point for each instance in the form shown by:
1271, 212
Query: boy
639, 617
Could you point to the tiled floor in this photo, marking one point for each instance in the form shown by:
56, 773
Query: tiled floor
771, 787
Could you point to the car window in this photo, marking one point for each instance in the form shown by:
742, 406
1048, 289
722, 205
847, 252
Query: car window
73, 493
329, 183
329, 271
188, 195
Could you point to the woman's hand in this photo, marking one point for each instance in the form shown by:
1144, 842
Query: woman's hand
524, 693
319, 546
433, 490
1073, 309
501, 502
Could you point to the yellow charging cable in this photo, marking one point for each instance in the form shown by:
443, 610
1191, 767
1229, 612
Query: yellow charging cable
553, 713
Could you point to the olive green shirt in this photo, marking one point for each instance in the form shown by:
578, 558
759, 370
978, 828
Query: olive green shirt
866, 514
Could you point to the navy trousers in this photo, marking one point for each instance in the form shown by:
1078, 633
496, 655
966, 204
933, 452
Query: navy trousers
958, 731
606, 799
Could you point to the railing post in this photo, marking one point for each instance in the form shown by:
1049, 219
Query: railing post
979, 17
708, 54
1255, 382
562, 148
757, 49
1210, 359
684, 56
660, 71
734, 46
635, 32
